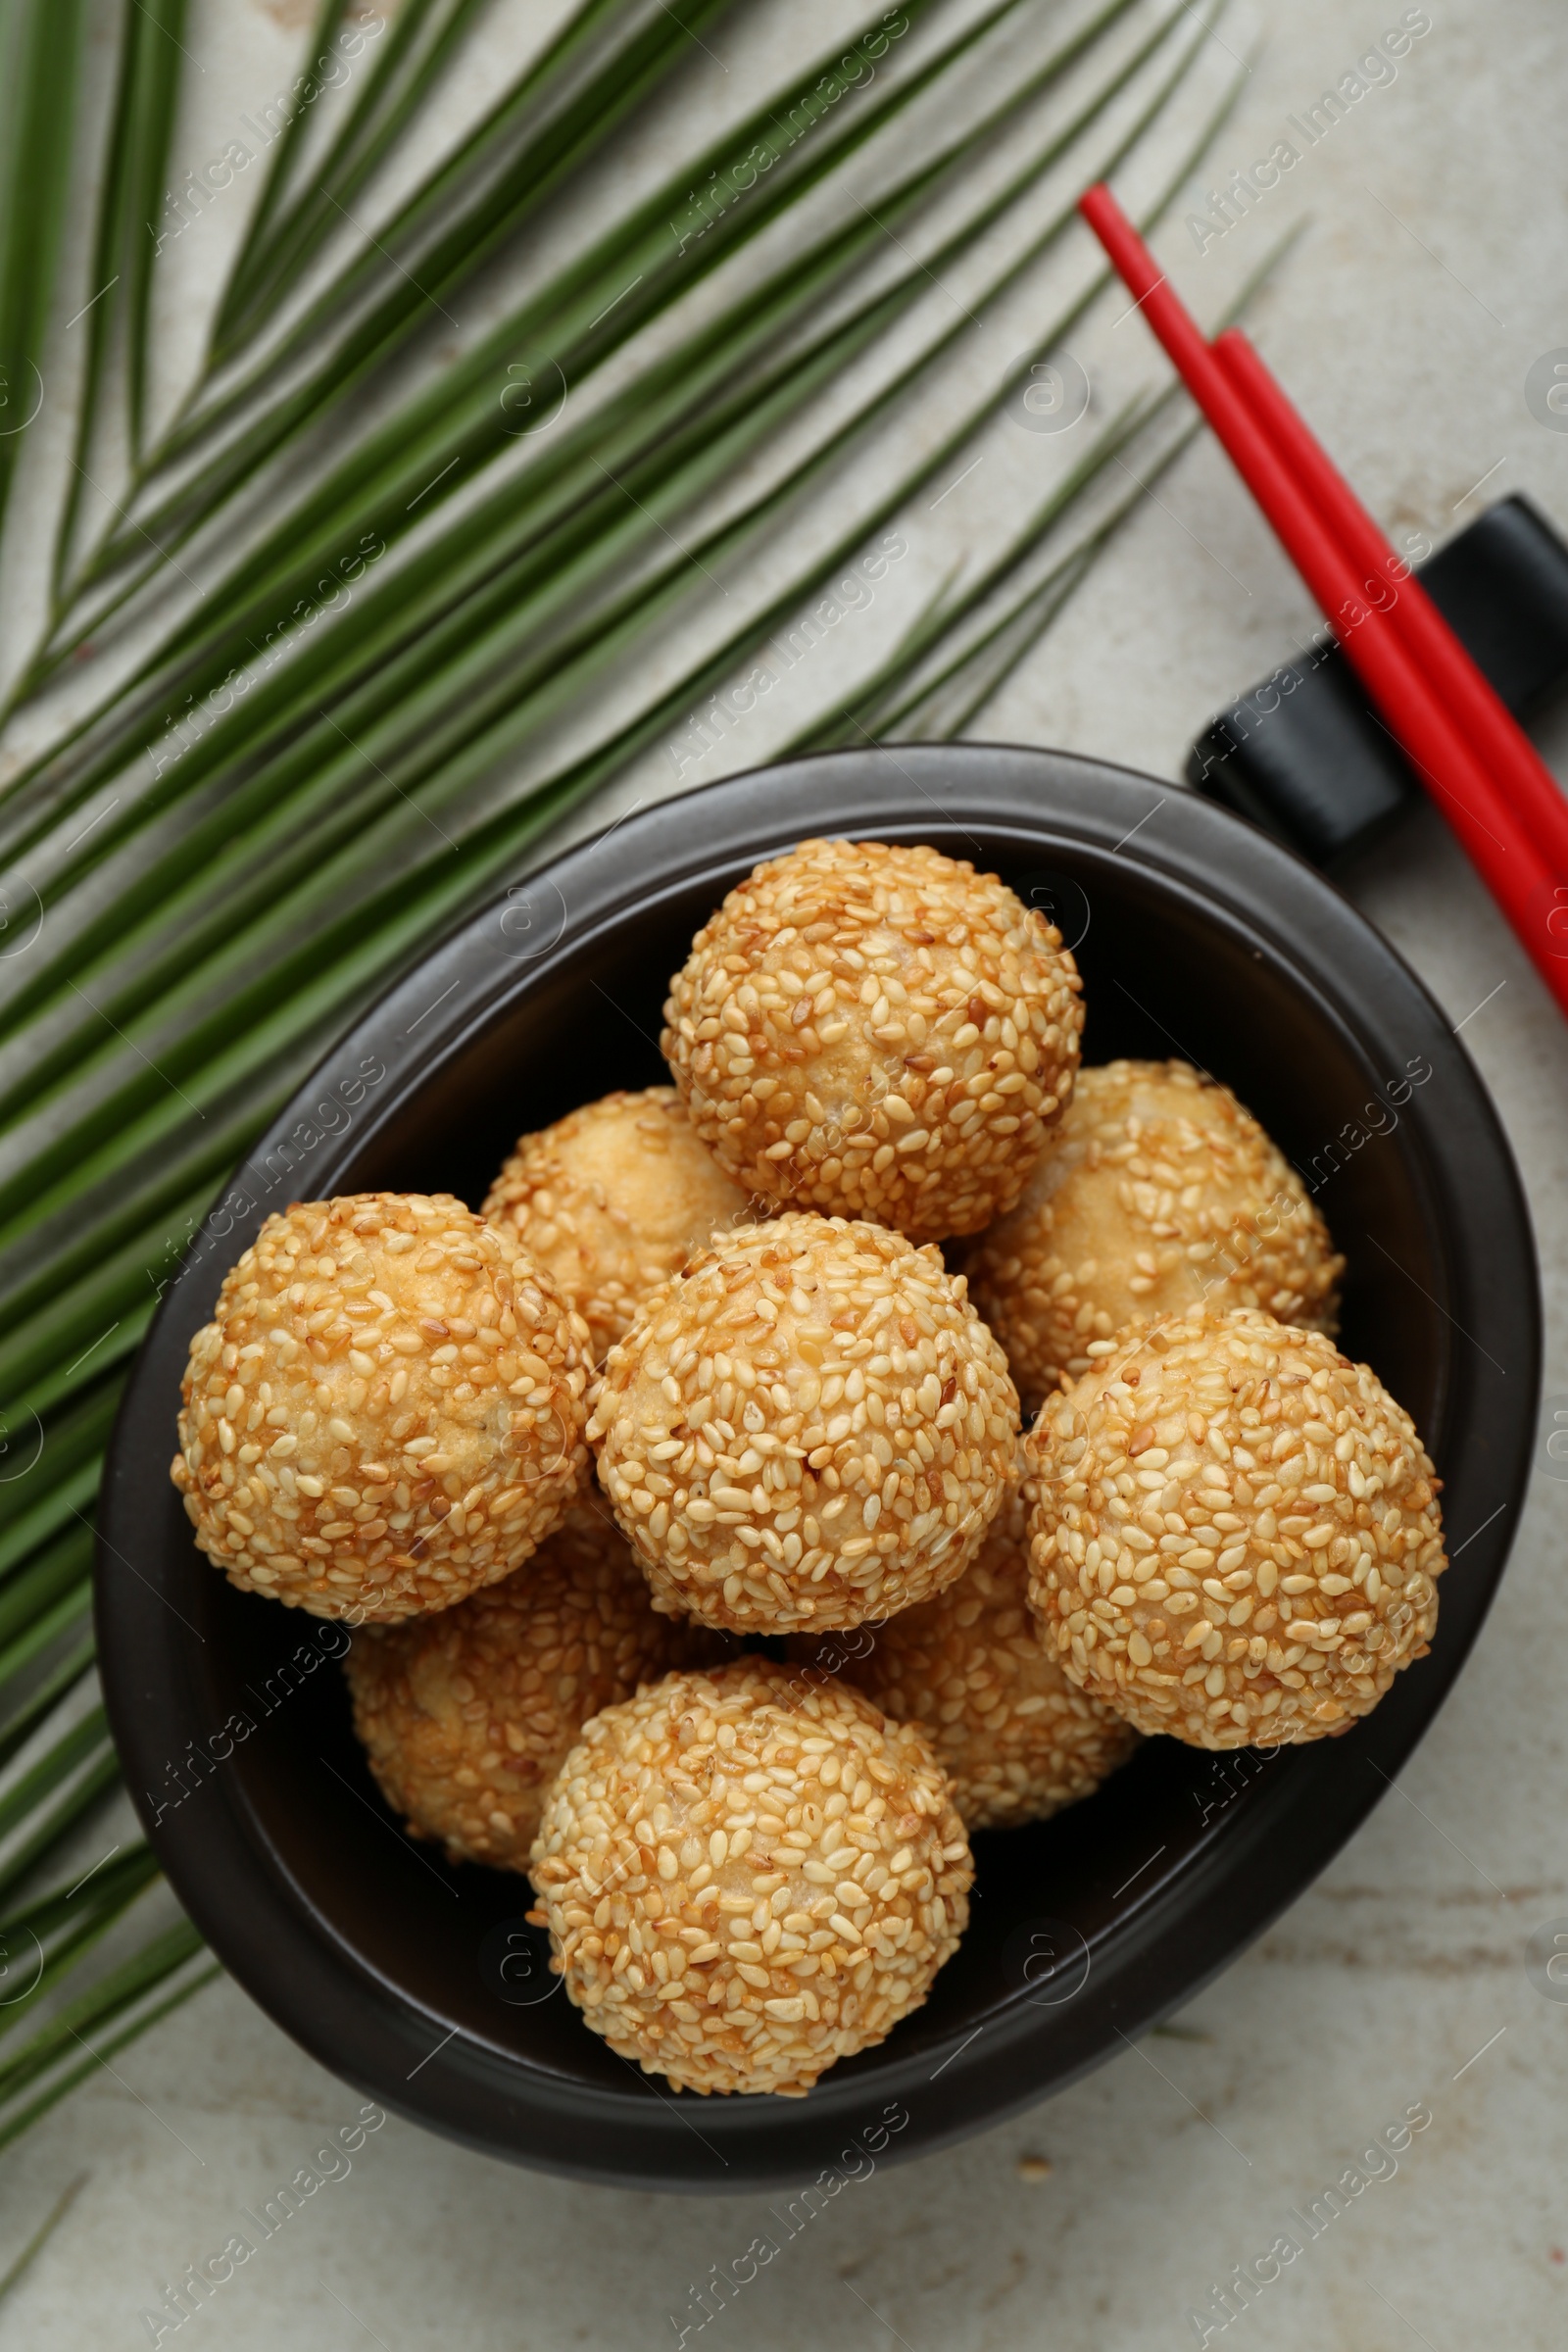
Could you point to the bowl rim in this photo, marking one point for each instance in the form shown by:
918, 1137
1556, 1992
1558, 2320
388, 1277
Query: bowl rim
1181, 1927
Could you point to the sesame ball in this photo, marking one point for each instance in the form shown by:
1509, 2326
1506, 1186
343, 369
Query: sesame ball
612, 1200
808, 1427
876, 1031
468, 1716
1235, 1533
748, 1875
1157, 1191
1016, 1739
387, 1411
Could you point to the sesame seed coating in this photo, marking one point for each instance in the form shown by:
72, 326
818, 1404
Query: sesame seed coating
808, 1427
1235, 1532
876, 1031
1157, 1191
387, 1411
612, 1200
748, 1875
468, 1716
1016, 1739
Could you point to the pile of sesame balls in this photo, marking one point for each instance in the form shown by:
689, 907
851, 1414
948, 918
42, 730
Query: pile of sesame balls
698, 1374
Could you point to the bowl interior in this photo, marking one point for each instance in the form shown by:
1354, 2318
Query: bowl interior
1165, 974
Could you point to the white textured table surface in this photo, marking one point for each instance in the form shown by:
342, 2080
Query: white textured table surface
1404, 323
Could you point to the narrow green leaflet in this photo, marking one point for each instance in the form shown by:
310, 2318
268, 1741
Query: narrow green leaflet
42, 2234
162, 1959
39, 41
330, 14
127, 243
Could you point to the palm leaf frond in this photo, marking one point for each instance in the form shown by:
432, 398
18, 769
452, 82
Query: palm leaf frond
317, 689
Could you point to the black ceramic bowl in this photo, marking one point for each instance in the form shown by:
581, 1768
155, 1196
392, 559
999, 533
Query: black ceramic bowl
419, 1982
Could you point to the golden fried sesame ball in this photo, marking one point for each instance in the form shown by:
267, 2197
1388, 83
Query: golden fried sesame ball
748, 1875
1015, 1738
1157, 1191
468, 1716
612, 1200
876, 1031
386, 1413
1235, 1532
810, 1426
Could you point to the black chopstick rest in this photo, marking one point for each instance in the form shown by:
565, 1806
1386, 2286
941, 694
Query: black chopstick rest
1306, 756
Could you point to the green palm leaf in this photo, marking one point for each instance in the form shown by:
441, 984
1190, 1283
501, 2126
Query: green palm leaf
215, 909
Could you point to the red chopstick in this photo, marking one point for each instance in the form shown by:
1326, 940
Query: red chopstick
1520, 852
1488, 726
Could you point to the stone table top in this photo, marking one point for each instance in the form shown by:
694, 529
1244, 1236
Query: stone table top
1429, 278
